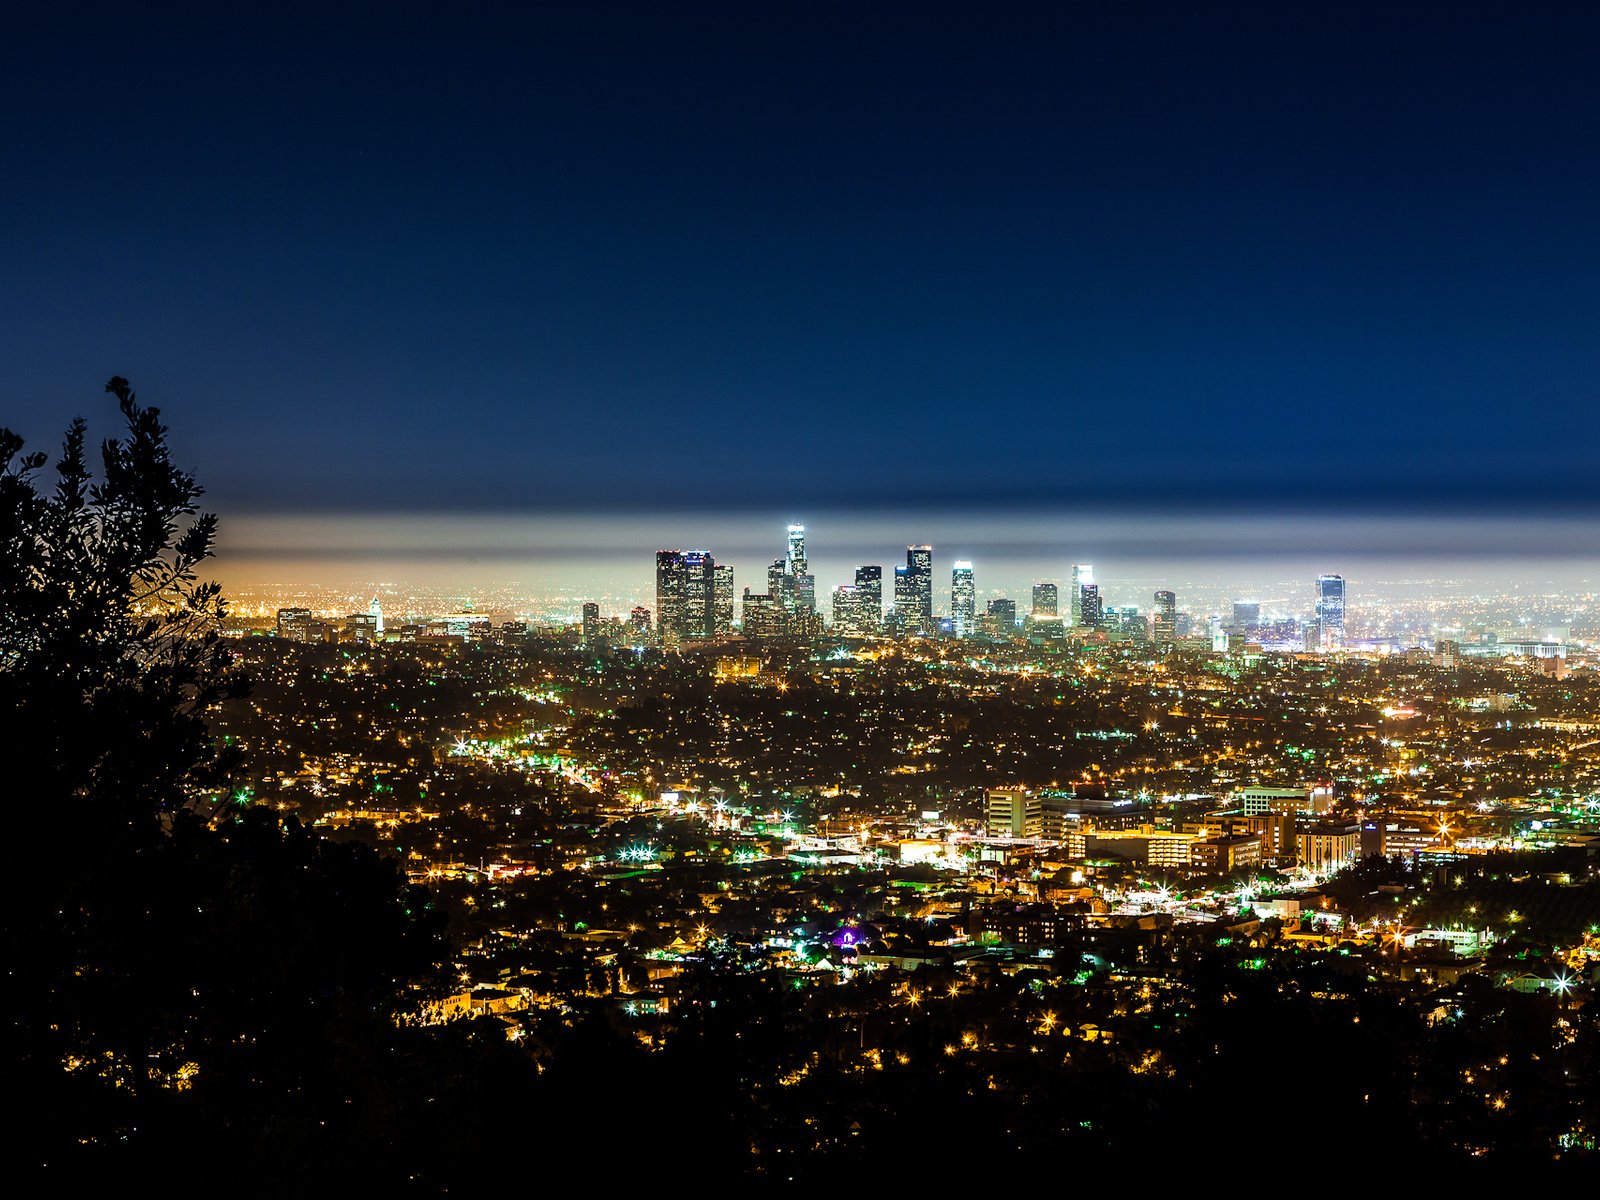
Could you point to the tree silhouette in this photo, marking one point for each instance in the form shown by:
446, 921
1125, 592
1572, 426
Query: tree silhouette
193, 983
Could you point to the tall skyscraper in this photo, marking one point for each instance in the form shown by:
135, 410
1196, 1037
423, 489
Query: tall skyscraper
1246, 616
1330, 611
798, 565
1046, 600
1164, 624
591, 623
722, 600
963, 599
848, 615
869, 587
685, 595
671, 584
376, 611
802, 584
919, 567
1085, 596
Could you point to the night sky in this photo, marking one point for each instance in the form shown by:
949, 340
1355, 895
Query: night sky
814, 257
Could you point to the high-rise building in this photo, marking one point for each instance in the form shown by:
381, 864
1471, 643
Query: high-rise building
685, 595
1089, 606
963, 599
294, 624
700, 595
671, 585
919, 567
722, 600
1002, 617
869, 586
1085, 596
764, 615
361, 627
639, 625
848, 610
375, 610
1246, 617
1046, 600
1164, 625
802, 584
1330, 611
591, 623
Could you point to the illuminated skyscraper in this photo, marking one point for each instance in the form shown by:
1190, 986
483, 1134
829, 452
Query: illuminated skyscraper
963, 599
1164, 624
1085, 596
919, 569
798, 564
869, 587
590, 628
722, 601
1046, 600
1330, 611
848, 614
802, 587
671, 583
685, 595
376, 611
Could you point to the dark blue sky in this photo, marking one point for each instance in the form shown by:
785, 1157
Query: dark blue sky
402, 258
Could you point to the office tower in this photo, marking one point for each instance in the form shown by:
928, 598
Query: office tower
963, 599
361, 627
869, 585
722, 601
763, 615
294, 624
1045, 600
919, 568
1246, 616
802, 584
1089, 606
700, 595
798, 564
375, 610
778, 578
1085, 596
1002, 617
847, 610
671, 583
1133, 624
1164, 627
685, 595
1013, 813
905, 600
1330, 611
591, 623
639, 624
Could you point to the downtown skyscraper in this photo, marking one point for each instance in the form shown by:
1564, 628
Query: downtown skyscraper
913, 588
686, 595
1330, 611
963, 600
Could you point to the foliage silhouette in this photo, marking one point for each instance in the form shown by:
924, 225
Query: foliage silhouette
195, 985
